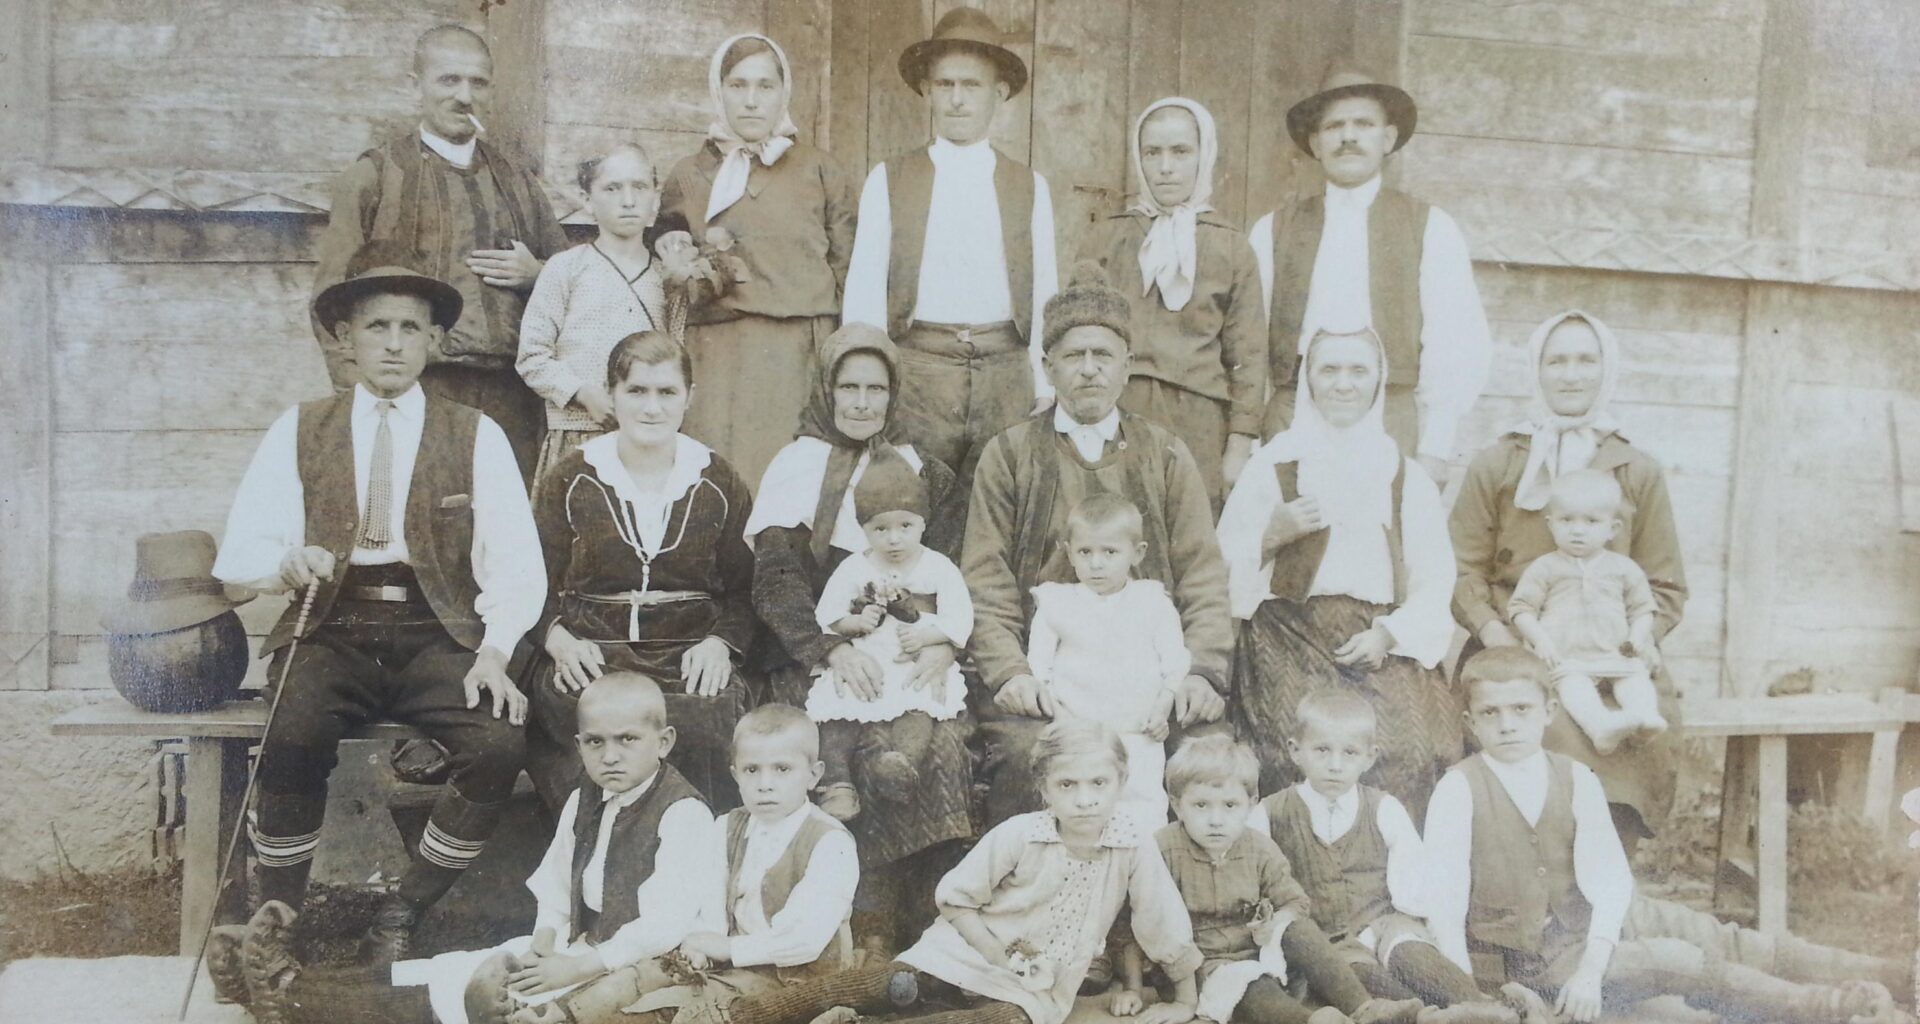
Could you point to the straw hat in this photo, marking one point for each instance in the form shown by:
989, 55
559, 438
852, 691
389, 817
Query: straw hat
968, 29
173, 586
1341, 81
383, 267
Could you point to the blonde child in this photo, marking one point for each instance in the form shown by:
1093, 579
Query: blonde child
1023, 914
1528, 885
1588, 612
890, 601
591, 296
1110, 648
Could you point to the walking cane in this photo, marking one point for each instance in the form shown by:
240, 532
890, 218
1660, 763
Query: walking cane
253, 774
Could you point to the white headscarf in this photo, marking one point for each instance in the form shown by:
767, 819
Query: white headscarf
1561, 444
737, 153
1348, 470
1169, 256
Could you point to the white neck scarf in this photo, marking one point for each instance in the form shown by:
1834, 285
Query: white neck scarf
1562, 444
1169, 257
730, 183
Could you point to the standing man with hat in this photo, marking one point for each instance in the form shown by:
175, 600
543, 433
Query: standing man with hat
1361, 255
406, 511
482, 222
954, 253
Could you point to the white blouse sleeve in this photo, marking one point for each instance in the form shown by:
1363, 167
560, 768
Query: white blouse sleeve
954, 614
814, 912
539, 359
1456, 346
836, 597
865, 298
1422, 626
269, 514
1406, 856
1046, 283
552, 882
1448, 842
1243, 524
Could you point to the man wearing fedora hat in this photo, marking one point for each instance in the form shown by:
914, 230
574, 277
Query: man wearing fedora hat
1359, 255
954, 253
482, 220
407, 513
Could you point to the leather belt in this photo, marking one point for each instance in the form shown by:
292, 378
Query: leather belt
395, 594
643, 598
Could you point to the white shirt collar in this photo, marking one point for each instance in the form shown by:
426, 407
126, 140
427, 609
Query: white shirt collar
1123, 829
1345, 803
1534, 767
412, 403
690, 459
782, 829
1360, 197
974, 156
459, 154
617, 802
1109, 426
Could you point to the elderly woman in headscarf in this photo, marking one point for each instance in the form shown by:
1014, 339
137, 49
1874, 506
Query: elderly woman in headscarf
801, 531
1199, 331
1498, 528
789, 209
1339, 563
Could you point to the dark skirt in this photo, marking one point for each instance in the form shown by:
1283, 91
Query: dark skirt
1286, 652
940, 809
703, 726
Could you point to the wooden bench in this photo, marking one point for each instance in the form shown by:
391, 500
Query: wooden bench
1754, 793
217, 743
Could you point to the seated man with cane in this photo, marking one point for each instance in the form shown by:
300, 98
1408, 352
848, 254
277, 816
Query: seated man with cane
402, 517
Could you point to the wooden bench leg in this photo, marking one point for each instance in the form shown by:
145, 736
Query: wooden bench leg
1881, 759
216, 776
1771, 841
1736, 824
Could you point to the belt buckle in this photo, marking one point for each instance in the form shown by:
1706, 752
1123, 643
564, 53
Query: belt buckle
965, 334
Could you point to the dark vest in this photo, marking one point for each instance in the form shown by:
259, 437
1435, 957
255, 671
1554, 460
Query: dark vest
1296, 565
1396, 235
401, 162
631, 849
439, 512
782, 877
1043, 452
1345, 881
1523, 878
910, 194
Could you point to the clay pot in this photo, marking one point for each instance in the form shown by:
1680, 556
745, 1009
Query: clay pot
180, 670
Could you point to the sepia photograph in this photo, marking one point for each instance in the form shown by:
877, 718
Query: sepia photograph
959, 511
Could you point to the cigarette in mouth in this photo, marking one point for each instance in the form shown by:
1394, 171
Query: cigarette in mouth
478, 128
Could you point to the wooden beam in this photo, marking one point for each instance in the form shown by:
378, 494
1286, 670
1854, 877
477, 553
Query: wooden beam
1754, 519
1770, 841
517, 33
1380, 45
804, 28
844, 128
1079, 92
26, 460
1780, 120
897, 120
26, 80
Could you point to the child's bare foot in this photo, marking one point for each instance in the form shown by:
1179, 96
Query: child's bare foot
893, 776
1480, 1011
1387, 1011
841, 801
1869, 1002
223, 963
1528, 1004
268, 964
1329, 1015
837, 1015
487, 999
1608, 739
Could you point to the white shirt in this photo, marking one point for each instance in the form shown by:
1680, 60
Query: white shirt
1456, 345
1089, 439
459, 154
1331, 819
963, 266
669, 906
816, 908
1600, 866
269, 519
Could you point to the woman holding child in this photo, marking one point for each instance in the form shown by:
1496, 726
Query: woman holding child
790, 212
803, 531
1339, 563
649, 570
1499, 529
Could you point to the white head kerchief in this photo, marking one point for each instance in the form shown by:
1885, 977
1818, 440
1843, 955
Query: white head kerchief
1168, 257
730, 183
1561, 444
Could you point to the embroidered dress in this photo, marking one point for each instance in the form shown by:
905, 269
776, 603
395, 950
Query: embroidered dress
939, 591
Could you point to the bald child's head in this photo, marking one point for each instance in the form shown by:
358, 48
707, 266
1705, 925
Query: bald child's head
622, 730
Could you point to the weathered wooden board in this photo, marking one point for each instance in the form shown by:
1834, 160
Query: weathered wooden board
604, 85
368, 85
1643, 302
896, 115
1660, 367
1216, 51
1292, 43
517, 33
1904, 417
1702, 103
1836, 432
1078, 92
1669, 28
246, 28
686, 27
24, 80
1497, 184
241, 306
568, 144
211, 139
1690, 440
804, 29
99, 236
846, 134
202, 385
1858, 338
26, 467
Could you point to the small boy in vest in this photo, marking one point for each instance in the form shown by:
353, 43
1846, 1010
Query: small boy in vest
1529, 886
1358, 858
611, 894
1251, 918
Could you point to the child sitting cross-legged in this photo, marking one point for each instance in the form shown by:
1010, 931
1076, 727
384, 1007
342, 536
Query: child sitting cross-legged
1529, 886
610, 894
1022, 914
1251, 918
1358, 858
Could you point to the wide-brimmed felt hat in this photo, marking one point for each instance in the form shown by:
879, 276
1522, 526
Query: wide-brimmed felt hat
1342, 80
383, 267
969, 29
173, 586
